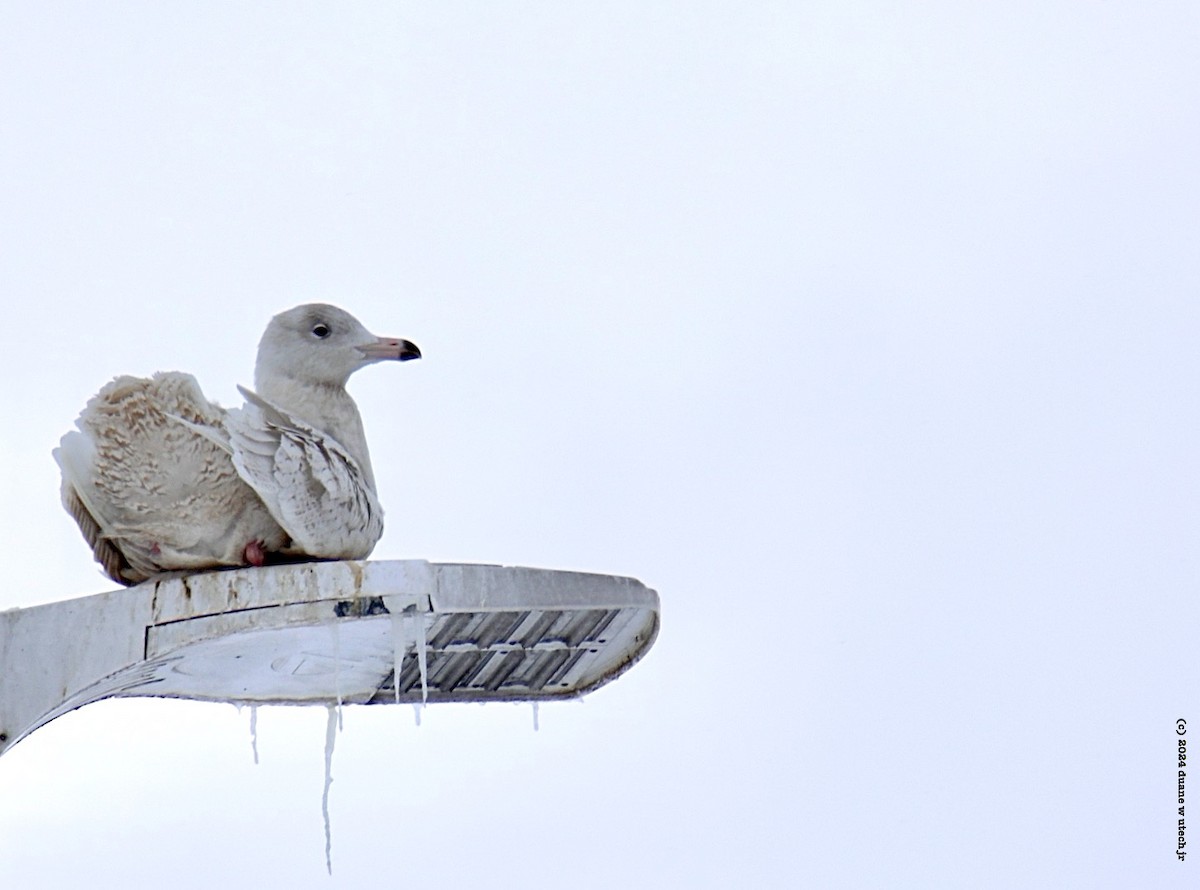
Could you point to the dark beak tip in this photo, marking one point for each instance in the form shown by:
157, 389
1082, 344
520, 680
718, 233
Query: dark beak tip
409, 351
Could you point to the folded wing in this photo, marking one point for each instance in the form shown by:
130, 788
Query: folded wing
309, 483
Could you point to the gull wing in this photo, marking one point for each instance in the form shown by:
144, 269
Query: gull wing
310, 484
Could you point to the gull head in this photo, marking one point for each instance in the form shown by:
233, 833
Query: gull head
321, 345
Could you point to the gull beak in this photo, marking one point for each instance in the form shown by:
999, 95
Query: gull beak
389, 348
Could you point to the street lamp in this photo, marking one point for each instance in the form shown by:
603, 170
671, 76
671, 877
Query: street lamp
326, 633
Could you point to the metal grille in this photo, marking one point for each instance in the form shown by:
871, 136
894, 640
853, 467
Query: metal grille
506, 654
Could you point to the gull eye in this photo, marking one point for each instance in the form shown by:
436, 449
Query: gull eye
320, 330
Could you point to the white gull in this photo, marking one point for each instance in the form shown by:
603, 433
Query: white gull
159, 478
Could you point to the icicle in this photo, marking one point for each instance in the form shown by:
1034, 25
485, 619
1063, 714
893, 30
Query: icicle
535, 716
421, 663
331, 725
415, 628
254, 732
399, 644
408, 625
417, 632
337, 670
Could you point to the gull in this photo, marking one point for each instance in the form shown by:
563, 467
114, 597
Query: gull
160, 479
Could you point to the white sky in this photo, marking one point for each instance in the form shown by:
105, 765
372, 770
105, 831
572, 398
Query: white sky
866, 333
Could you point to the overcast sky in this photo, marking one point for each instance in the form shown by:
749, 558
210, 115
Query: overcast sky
865, 333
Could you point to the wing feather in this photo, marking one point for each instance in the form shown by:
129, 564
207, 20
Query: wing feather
310, 484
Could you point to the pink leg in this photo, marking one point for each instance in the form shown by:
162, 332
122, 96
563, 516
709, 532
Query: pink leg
254, 554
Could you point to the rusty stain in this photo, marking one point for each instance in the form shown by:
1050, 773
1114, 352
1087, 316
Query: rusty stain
357, 571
